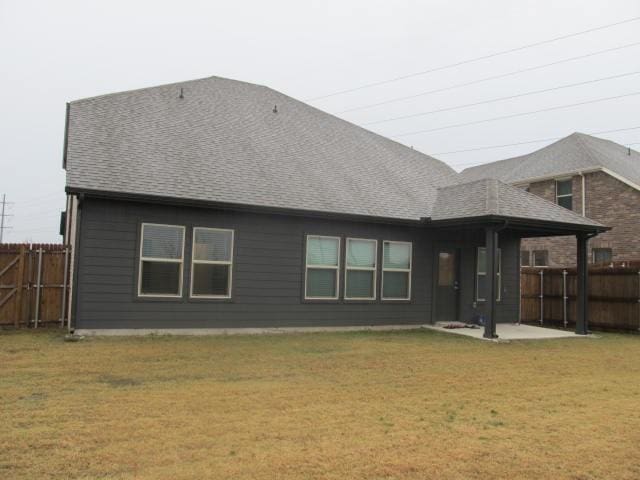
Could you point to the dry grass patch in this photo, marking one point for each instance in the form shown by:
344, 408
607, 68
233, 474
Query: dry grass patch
395, 405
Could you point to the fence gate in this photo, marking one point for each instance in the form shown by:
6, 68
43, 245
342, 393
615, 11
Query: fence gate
34, 284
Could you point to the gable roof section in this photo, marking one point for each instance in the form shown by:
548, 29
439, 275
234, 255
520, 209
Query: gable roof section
575, 153
490, 197
223, 142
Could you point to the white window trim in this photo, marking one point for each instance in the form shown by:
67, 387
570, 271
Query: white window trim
406, 270
484, 274
321, 267
165, 260
373, 269
533, 259
564, 195
212, 262
593, 254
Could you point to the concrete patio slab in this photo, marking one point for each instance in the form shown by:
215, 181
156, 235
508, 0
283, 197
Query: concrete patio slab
510, 331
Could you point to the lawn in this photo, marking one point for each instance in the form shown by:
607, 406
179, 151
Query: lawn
367, 405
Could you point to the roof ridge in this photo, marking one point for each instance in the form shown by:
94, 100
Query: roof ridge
170, 84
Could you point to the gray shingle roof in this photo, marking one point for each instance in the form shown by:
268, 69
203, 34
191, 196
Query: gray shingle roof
492, 197
223, 142
570, 154
238, 143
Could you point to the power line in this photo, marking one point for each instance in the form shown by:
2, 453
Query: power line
531, 112
486, 79
509, 97
471, 60
539, 140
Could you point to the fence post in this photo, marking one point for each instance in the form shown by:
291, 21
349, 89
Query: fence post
564, 298
38, 280
64, 286
541, 297
19, 286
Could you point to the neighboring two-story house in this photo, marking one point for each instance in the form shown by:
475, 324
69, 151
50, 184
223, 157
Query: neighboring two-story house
607, 172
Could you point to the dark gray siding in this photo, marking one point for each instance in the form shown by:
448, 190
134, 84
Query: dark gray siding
268, 272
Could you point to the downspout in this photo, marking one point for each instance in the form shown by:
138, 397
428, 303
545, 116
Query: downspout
584, 194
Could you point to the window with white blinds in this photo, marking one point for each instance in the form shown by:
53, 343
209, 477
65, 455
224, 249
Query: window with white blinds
211, 263
360, 269
322, 267
396, 270
481, 275
161, 260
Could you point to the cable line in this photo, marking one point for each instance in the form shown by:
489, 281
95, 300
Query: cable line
532, 112
509, 97
471, 60
486, 79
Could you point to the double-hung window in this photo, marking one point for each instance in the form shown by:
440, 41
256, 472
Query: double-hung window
161, 260
360, 269
396, 270
322, 268
540, 258
564, 193
482, 277
211, 263
602, 255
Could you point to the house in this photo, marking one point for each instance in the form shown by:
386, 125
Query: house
609, 176
216, 204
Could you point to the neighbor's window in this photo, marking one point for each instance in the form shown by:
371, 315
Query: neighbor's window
564, 193
322, 267
161, 260
360, 269
525, 258
211, 263
481, 275
602, 255
540, 258
396, 270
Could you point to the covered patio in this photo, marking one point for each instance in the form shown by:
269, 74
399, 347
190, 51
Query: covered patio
491, 211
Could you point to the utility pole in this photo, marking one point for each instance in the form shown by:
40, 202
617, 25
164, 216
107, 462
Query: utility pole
3, 215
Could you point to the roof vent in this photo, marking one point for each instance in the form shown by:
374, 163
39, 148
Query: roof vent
275, 109
181, 93
629, 151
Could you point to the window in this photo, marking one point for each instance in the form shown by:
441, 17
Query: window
525, 258
540, 258
360, 269
481, 275
161, 259
211, 263
564, 193
322, 267
602, 255
396, 270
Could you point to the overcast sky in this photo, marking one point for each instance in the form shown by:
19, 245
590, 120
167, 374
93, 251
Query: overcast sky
54, 52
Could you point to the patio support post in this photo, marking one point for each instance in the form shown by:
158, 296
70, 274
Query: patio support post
491, 245
582, 307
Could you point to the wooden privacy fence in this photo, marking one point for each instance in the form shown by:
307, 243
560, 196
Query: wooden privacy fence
548, 296
34, 284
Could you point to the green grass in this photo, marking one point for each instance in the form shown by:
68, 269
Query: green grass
369, 405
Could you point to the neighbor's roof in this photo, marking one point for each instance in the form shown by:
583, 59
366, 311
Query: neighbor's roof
223, 142
490, 197
577, 152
